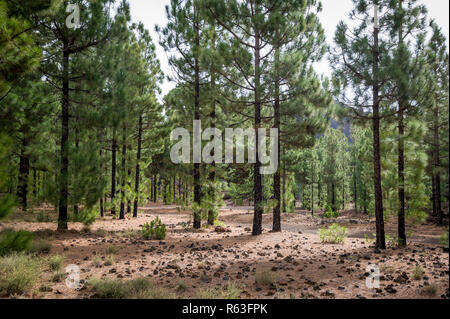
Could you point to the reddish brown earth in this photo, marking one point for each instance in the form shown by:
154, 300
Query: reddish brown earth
302, 266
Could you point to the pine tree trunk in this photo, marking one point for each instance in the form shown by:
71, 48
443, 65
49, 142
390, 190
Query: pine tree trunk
35, 183
138, 168
212, 173
77, 143
380, 240
113, 172
401, 180
258, 191
319, 188
129, 185
333, 197
401, 159
355, 191
284, 186
437, 174
155, 195
64, 178
122, 191
276, 177
312, 198
102, 209
196, 173
24, 171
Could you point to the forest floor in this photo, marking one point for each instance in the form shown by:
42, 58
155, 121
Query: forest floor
290, 264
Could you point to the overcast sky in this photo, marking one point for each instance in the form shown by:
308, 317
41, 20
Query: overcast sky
152, 12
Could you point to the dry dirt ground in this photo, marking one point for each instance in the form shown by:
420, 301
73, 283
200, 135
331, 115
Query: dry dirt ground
298, 264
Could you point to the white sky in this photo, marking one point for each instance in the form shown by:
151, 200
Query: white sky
152, 12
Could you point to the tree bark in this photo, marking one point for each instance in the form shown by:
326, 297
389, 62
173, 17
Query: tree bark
138, 168
64, 178
437, 174
401, 158
277, 177
257, 187
355, 191
122, 191
401, 180
24, 171
77, 143
212, 173
196, 173
284, 186
102, 209
380, 240
113, 172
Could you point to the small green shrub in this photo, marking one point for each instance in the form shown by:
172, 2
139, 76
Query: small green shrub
181, 286
55, 262
110, 260
14, 241
108, 288
140, 288
18, 273
329, 213
231, 291
335, 234
219, 223
86, 216
418, 273
155, 230
443, 239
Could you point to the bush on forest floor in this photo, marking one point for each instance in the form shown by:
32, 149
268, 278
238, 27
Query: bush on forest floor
140, 288
18, 273
14, 241
155, 230
335, 234
329, 213
231, 291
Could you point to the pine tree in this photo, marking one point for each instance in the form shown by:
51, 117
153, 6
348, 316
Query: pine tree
437, 109
185, 34
360, 61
